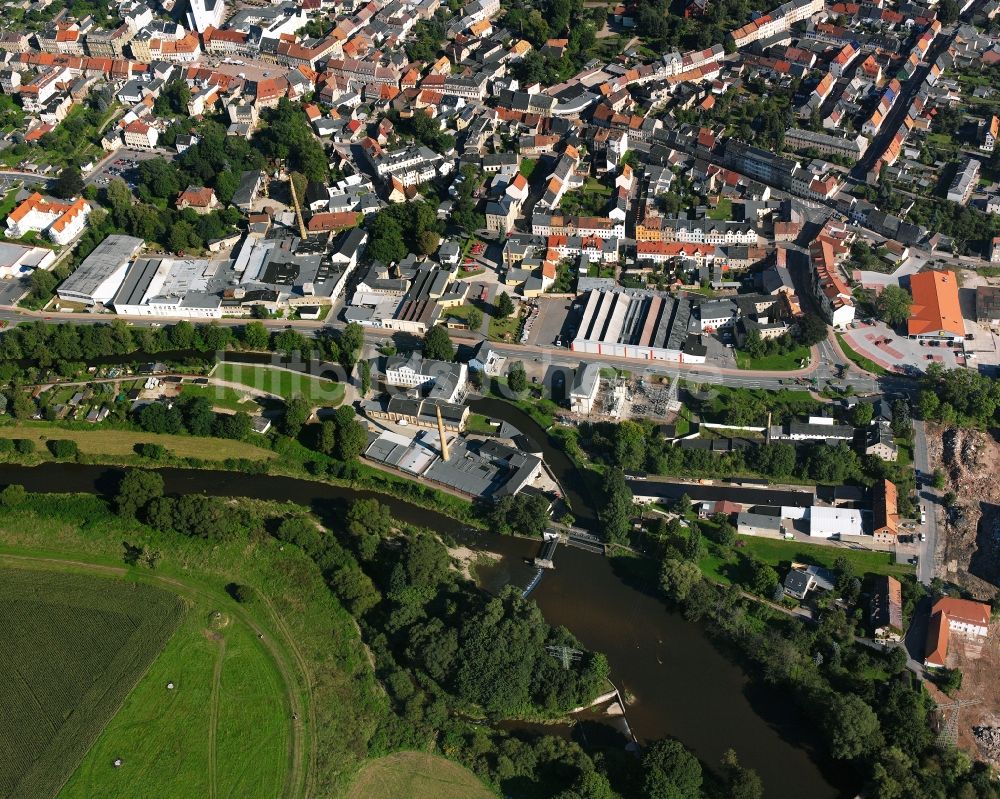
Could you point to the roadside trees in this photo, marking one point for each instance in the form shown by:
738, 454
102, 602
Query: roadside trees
437, 345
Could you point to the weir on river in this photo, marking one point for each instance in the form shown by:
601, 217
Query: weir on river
679, 684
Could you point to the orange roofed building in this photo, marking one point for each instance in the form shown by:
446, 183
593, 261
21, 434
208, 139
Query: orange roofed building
935, 312
62, 221
950, 615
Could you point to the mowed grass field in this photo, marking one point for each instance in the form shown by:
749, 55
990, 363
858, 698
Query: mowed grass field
282, 383
222, 731
417, 775
308, 663
776, 553
73, 647
103, 441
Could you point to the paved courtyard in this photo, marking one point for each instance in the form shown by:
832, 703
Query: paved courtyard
551, 320
884, 346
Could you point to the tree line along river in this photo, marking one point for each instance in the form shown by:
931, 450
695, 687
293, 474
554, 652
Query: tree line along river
678, 682
680, 685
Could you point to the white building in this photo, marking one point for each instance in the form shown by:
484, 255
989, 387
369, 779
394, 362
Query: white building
203, 13
583, 392
827, 522
448, 380
61, 221
98, 278
169, 287
140, 135
17, 260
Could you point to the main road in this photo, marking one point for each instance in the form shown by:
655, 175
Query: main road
825, 360
929, 499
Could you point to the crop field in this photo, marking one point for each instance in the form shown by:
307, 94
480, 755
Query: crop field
282, 383
222, 731
417, 775
244, 719
74, 647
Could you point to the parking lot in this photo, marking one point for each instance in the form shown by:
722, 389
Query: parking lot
12, 289
550, 322
124, 165
881, 344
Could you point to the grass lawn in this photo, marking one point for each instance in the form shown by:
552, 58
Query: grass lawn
459, 312
776, 551
724, 210
477, 423
9, 201
417, 775
106, 441
505, 329
788, 361
227, 727
74, 646
601, 270
223, 397
594, 186
860, 360
474, 272
527, 167
283, 383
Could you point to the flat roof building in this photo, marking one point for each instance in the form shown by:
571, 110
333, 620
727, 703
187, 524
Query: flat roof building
169, 287
98, 278
827, 522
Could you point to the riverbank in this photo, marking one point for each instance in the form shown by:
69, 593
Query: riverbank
113, 446
655, 655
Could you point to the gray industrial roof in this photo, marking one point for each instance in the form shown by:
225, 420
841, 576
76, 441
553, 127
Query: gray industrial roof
107, 257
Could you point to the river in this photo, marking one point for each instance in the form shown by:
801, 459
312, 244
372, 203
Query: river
681, 684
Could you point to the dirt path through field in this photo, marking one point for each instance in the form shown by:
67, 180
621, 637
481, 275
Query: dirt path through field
298, 774
213, 719
309, 775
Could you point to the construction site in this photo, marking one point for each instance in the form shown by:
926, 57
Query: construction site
970, 549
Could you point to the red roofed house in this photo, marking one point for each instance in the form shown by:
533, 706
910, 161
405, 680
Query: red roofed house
201, 200
340, 220
138, 134
950, 615
660, 251
886, 611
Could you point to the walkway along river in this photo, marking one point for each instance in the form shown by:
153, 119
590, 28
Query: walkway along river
681, 685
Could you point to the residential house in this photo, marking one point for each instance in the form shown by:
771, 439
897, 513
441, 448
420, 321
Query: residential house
886, 609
